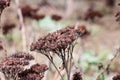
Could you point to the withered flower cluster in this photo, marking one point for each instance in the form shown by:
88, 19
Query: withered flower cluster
36, 72
23, 55
58, 40
1, 46
31, 12
91, 14
110, 3
7, 27
117, 77
77, 76
13, 65
56, 17
60, 43
4, 4
118, 15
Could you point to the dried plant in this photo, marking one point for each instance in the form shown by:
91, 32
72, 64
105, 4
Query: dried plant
77, 76
56, 17
31, 12
28, 11
117, 77
7, 27
36, 72
1, 46
61, 43
11, 66
118, 15
106, 69
4, 4
110, 3
91, 14
38, 16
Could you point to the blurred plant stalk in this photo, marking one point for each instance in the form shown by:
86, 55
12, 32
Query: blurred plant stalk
22, 26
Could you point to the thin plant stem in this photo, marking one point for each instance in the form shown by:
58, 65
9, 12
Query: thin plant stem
55, 66
117, 51
23, 30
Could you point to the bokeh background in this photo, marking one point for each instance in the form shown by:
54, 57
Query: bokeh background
96, 48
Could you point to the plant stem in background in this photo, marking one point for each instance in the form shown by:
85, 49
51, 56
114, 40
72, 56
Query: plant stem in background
22, 26
117, 51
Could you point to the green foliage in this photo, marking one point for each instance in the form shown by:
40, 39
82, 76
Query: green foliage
48, 24
90, 60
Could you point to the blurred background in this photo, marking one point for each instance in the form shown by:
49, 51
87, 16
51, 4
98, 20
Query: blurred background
41, 17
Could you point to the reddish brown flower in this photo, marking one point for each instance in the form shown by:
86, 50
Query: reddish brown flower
28, 11
4, 4
77, 76
11, 66
36, 72
31, 12
117, 77
39, 68
61, 43
8, 27
38, 16
1, 45
91, 14
110, 3
117, 15
23, 55
56, 17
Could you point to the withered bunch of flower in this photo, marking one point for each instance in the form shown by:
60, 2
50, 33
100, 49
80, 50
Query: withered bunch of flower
4, 4
31, 12
110, 3
1, 46
91, 14
7, 27
60, 43
13, 65
77, 76
117, 77
118, 15
23, 55
56, 17
36, 72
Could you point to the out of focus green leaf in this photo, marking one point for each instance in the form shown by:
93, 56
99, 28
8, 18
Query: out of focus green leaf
50, 25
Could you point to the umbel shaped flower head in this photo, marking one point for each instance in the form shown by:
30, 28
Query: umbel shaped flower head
61, 43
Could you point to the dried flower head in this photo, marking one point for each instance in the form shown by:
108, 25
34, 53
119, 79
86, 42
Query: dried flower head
59, 39
38, 16
1, 46
7, 27
61, 43
31, 12
36, 72
39, 68
110, 3
100, 66
91, 14
11, 66
77, 76
117, 77
23, 55
4, 4
56, 17
118, 15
